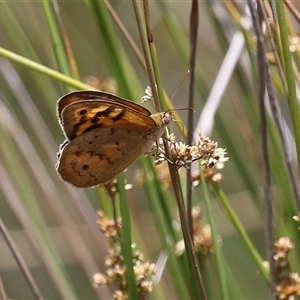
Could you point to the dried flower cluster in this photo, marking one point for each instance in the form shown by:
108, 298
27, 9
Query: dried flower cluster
111, 187
211, 157
116, 268
148, 95
202, 236
297, 219
183, 155
109, 227
288, 284
294, 42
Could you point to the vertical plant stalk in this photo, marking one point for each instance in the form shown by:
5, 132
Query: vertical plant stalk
145, 48
289, 74
236, 222
292, 98
264, 78
276, 114
126, 34
126, 240
267, 15
190, 249
173, 172
292, 9
21, 263
193, 263
217, 251
57, 44
65, 41
194, 26
3, 295
154, 61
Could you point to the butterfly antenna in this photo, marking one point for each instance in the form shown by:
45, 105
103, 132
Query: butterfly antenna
181, 83
183, 108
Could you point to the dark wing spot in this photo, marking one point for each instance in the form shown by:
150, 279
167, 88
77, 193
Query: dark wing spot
104, 113
112, 131
100, 155
79, 124
77, 153
119, 116
103, 156
83, 112
94, 120
117, 144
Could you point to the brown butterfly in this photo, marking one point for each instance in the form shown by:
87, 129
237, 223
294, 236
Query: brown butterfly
105, 134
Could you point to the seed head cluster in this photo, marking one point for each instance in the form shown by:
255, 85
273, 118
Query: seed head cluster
115, 273
288, 283
207, 151
201, 234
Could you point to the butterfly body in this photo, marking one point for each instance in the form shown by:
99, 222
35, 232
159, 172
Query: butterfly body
105, 134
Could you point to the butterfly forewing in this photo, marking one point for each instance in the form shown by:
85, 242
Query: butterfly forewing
75, 97
83, 116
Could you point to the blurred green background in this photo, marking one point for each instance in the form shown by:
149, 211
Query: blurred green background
53, 224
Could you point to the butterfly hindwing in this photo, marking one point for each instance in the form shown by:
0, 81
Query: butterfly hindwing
99, 155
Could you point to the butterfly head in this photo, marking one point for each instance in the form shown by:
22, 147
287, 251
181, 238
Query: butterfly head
167, 118
162, 119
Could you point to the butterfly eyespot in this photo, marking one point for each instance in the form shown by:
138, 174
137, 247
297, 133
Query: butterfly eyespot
85, 167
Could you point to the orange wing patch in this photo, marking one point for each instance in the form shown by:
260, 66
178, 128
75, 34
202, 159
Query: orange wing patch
84, 116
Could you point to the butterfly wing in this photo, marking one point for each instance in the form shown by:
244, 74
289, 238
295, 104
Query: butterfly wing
74, 97
80, 112
81, 117
101, 154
